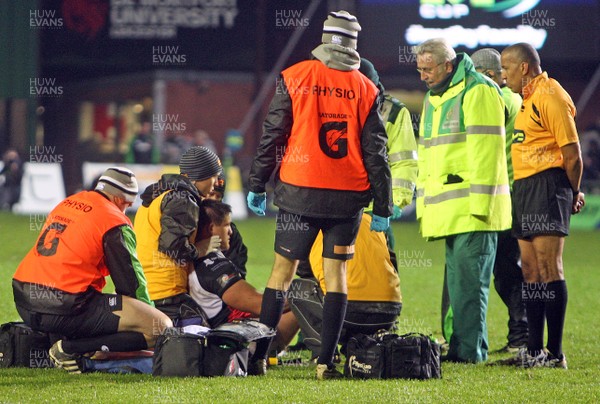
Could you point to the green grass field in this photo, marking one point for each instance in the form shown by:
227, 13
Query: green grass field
421, 290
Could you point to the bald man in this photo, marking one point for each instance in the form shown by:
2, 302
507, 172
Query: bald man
548, 167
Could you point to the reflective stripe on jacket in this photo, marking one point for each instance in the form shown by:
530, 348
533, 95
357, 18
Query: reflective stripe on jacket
462, 184
402, 150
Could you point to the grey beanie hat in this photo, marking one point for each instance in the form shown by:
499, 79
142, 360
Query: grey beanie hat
341, 28
487, 59
200, 163
118, 181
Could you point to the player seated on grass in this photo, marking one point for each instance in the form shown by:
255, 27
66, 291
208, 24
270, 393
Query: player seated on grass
374, 298
217, 285
58, 285
237, 252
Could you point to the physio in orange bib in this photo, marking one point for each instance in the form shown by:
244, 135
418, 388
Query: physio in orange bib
324, 132
58, 285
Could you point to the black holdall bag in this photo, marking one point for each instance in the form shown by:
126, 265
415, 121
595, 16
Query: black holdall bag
411, 356
22, 346
408, 356
364, 358
227, 347
226, 354
177, 353
222, 351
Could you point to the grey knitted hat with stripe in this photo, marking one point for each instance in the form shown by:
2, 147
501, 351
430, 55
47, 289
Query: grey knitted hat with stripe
200, 163
487, 59
341, 28
118, 181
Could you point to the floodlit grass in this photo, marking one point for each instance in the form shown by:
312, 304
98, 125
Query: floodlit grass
421, 277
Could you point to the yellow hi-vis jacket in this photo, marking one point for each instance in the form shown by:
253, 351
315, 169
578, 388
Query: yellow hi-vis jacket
462, 185
371, 276
167, 276
402, 150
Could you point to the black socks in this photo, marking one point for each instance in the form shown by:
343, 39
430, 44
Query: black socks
118, 342
556, 308
270, 314
546, 303
334, 312
535, 307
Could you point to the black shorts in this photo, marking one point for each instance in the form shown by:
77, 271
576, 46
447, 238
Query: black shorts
542, 204
96, 318
295, 235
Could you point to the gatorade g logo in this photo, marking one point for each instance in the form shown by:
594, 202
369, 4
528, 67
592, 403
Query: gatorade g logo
518, 136
48, 241
333, 139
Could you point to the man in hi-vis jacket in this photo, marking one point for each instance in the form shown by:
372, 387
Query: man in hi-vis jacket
462, 185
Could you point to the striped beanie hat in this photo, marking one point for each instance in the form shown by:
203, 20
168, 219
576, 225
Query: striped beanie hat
118, 181
341, 28
200, 163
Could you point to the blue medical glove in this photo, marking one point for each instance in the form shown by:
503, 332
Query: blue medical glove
397, 213
257, 202
380, 223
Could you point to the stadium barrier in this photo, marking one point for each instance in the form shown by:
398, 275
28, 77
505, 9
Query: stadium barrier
42, 188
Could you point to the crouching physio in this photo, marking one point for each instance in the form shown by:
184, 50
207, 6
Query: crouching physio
58, 285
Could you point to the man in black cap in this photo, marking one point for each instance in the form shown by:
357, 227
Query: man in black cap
58, 285
166, 225
324, 129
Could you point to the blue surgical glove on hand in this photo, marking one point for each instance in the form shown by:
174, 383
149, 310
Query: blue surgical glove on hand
380, 223
397, 213
257, 202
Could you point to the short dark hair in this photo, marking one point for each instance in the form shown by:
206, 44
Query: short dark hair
524, 52
211, 212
